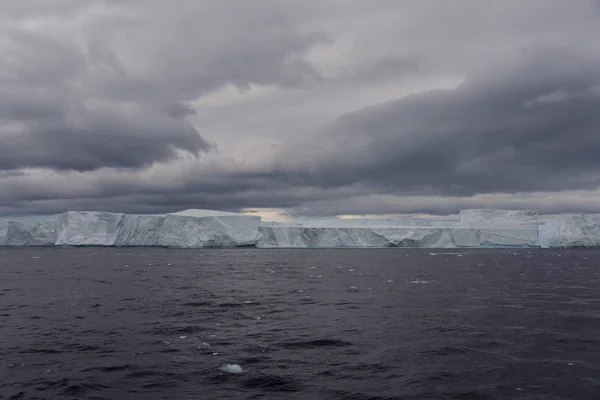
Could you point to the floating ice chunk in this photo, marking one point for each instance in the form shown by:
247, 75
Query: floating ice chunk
231, 369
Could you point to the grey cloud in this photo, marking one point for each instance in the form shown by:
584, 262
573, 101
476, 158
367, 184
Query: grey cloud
568, 202
478, 138
115, 94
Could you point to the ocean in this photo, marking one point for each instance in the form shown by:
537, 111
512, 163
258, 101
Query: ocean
351, 324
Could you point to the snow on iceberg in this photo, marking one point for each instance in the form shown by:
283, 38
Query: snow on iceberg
27, 232
581, 230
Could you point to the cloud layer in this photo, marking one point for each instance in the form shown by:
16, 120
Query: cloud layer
316, 108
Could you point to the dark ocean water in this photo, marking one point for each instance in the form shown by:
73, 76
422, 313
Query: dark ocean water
102, 323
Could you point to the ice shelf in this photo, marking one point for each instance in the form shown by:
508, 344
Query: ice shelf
571, 231
27, 233
207, 228
433, 237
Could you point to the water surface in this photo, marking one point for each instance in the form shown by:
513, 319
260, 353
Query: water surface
109, 323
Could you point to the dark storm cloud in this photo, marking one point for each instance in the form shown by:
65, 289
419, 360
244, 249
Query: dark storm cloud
83, 102
109, 88
219, 191
531, 127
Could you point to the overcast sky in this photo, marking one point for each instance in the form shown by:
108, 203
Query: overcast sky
299, 107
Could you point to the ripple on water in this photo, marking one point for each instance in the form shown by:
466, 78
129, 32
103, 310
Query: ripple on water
492, 324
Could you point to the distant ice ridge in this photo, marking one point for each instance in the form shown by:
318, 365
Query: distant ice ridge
571, 231
367, 223
207, 228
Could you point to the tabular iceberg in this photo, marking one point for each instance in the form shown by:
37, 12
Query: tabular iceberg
27, 233
188, 229
571, 231
441, 237
207, 228
82, 228
475, 228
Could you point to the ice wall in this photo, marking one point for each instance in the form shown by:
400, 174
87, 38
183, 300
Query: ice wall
27, 233
443, 237
87, 228
571, 231
3, 232
185, 230
206, 228
218, 231
139, 230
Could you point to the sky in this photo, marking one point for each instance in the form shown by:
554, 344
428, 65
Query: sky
299, 108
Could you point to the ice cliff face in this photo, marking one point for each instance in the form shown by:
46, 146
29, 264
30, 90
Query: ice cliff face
441, 237
476, 228
206, 228
76, 228
571, 231
27, 233
192, 230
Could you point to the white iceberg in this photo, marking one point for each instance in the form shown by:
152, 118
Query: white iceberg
27, 232
87, 228
475, 228
188, 229
441, 237
581, 230
208, 231
139, 230
207, 228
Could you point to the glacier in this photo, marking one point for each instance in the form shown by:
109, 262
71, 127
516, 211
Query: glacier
215, 229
